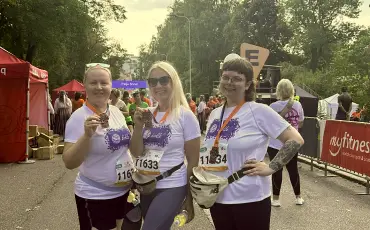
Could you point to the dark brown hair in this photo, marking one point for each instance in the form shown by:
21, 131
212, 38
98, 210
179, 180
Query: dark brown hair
243, 66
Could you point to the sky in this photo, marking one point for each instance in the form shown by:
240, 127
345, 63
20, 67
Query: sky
143, 17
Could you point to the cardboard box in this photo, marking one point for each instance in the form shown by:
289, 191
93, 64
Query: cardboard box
33, 130
44, 140
45, 131
34, 153
30, 152
60, 149
56, 141
45, 153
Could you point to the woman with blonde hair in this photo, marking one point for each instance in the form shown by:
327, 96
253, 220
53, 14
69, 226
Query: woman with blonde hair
163, 136
292, 111
96, 142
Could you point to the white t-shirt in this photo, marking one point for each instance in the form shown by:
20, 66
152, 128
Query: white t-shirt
170, 137
201, 107
107, 147
294, 116
120, 104
247, 135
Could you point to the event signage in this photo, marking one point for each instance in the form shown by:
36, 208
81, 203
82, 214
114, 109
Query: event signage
3, 71
37, 72
256, 55
347, 144
129, 84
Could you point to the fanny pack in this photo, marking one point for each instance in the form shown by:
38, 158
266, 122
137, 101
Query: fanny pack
147, 184
100, 185
205, 187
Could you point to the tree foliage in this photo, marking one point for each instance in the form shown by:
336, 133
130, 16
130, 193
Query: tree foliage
310, 38
60, 36
318, 25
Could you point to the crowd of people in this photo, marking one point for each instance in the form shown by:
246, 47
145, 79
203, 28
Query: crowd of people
152, 146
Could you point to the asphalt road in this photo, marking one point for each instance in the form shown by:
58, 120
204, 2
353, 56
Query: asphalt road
40, 196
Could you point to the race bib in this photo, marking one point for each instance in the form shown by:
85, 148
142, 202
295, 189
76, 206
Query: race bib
124, 171
221, 159
149, 163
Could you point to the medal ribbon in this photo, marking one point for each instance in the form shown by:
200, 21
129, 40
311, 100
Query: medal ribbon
163, 118
90, 106
236, 109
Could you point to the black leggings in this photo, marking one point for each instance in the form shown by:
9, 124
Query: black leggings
248, 216
277, 177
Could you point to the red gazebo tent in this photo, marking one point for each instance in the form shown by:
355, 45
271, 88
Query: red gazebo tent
23, 102
70, 88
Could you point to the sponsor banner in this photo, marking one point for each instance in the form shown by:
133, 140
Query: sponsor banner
347, 144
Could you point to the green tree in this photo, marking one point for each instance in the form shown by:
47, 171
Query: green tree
207, 19
259, 23
60, 36
318, 25
351, 67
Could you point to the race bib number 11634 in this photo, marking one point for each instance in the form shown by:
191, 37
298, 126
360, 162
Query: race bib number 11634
221, 159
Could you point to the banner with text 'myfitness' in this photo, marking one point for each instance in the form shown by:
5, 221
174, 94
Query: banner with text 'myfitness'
347, 144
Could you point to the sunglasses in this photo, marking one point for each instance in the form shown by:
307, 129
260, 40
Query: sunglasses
162, 80
94, 65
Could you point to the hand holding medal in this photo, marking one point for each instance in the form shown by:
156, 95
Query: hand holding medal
147, 118
103, 117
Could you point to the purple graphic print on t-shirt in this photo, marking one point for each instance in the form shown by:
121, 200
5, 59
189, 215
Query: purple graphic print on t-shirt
228, 132
117, 138
157, 136
292, 117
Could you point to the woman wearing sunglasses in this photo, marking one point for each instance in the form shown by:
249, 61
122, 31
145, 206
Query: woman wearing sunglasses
173, 135
97, 140
236, 140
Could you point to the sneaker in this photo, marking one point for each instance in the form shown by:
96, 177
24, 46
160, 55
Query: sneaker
275, 203
299, 201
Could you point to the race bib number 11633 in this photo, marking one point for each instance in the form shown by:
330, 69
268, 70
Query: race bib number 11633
149, 163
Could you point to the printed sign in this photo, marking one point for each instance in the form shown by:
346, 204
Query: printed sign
129, 84
38, 73
256, 55
346, 144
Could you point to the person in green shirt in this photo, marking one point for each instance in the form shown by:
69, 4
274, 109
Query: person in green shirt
129, 122
138, 103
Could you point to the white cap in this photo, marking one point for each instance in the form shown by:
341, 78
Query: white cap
231, 57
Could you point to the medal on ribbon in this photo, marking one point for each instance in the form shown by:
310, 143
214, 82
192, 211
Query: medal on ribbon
213, 155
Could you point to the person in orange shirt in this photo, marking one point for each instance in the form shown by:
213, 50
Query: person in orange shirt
191, 103
211, 102
356, 116
77, 102
145, 99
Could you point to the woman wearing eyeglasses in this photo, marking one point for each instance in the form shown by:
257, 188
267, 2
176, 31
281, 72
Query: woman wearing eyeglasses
174, 135
97, 140
236, 140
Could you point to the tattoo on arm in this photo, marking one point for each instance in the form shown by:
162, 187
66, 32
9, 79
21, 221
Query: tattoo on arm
285, 154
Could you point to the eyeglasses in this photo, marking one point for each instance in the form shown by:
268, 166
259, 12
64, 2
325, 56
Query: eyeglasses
162, 80
234, 79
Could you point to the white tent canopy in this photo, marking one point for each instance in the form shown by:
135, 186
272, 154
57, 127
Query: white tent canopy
332, 103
